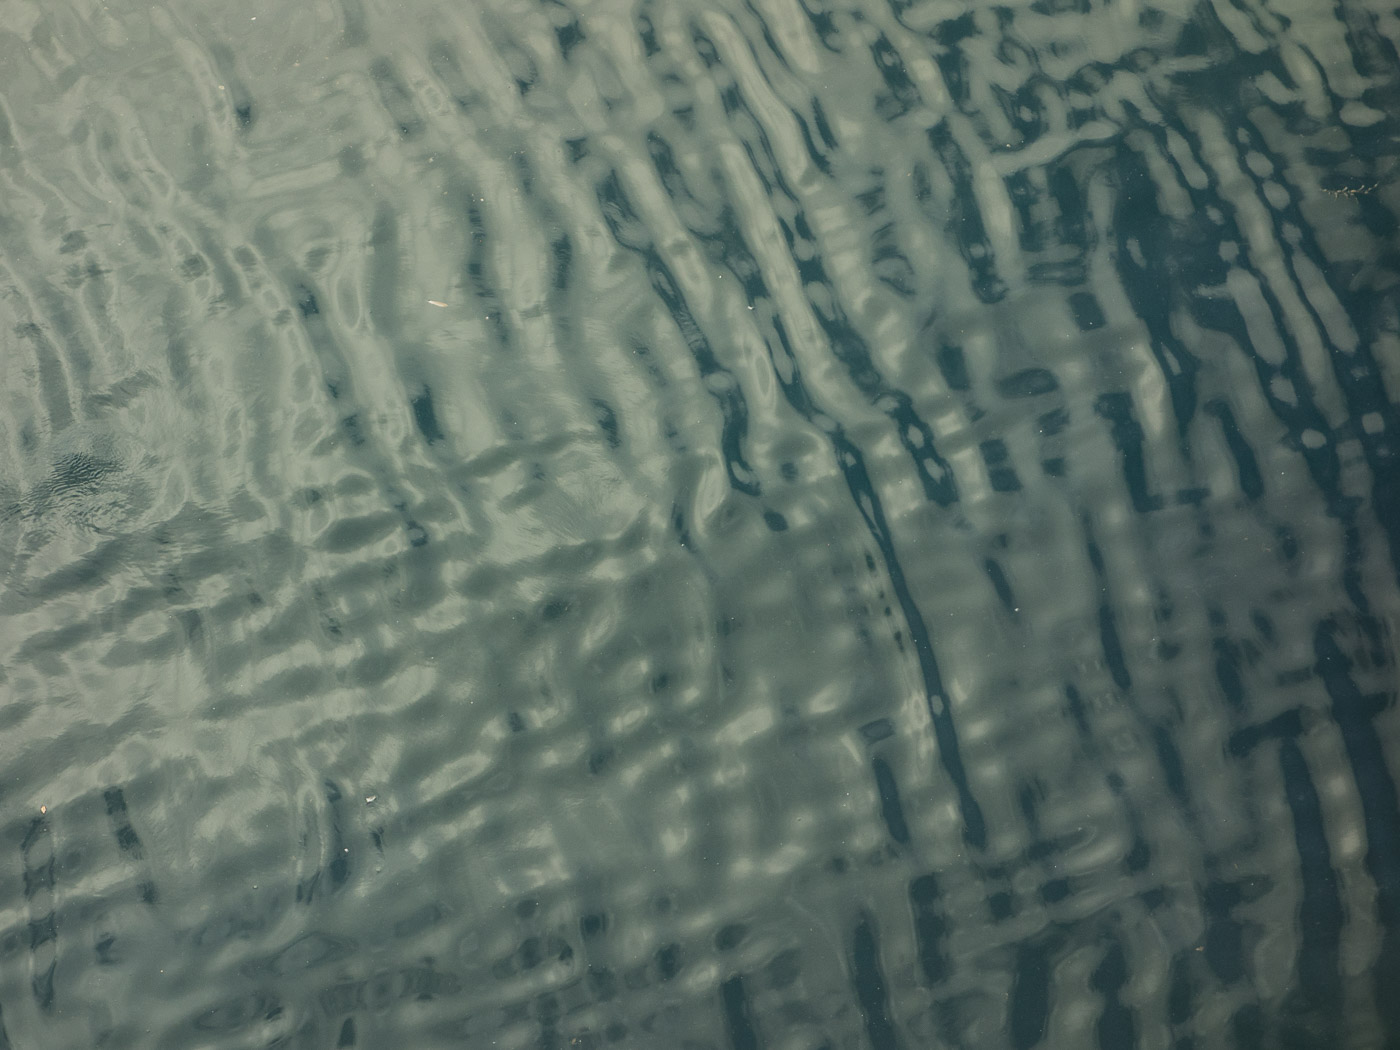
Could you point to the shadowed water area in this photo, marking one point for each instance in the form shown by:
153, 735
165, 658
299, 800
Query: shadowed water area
699, 524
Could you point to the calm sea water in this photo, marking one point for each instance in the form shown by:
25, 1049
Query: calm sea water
741, 524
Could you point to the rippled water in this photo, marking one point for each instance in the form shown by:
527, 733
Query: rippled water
762, 524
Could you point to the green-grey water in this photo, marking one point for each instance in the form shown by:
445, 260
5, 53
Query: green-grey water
757, 524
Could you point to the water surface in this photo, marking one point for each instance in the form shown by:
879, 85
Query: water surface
766, 524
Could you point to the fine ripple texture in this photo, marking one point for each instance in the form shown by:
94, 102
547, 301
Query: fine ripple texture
740, 524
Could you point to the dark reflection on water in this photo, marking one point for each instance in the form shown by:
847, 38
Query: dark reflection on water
672, 525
